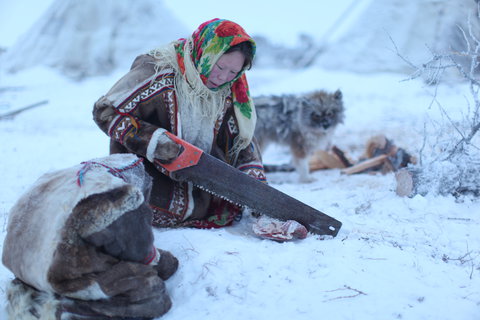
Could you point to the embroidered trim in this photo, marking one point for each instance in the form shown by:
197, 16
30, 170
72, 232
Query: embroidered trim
232, 126
153, 256
161, 83
254, 169
179, 202
121, 127
172, 107
117, 172
221, 214
125, 123
163, 217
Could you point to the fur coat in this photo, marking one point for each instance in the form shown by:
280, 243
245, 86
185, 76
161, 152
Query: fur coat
133, 113
81, 239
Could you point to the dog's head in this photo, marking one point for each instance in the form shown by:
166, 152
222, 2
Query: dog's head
322, 110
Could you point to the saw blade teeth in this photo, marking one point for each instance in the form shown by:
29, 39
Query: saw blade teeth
217, 195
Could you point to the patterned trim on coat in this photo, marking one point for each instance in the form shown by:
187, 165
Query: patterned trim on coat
232, 126
120, 127
181, 203
170, 101
125, 123
221, 214
180, 207
254, 169
150, 89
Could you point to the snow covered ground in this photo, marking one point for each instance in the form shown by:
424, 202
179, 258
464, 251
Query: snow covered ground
394, 258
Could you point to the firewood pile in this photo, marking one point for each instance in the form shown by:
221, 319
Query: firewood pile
381, 156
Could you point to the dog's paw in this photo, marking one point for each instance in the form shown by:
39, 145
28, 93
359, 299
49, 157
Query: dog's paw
306, 178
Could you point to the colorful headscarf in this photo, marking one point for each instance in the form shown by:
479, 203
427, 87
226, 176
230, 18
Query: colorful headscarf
209, 42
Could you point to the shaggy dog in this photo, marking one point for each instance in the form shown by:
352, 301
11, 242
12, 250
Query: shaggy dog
305, 123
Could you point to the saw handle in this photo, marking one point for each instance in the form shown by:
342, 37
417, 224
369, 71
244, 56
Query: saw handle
189, 156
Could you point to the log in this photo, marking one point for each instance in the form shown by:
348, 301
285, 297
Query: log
367, 164
324, 160
378, 145
381, 155
332, 159
406, 182
341, 156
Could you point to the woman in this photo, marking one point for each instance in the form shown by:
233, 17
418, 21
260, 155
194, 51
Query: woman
195, 88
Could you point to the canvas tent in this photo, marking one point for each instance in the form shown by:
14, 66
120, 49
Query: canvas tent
88, 37
415, 27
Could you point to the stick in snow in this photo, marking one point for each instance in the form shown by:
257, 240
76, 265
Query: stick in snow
13, 113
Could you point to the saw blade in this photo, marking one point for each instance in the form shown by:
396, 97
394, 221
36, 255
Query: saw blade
229, 183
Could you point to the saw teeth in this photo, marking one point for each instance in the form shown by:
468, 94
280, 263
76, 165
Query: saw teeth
217, 195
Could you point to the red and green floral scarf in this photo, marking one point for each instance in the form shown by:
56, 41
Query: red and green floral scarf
210, 41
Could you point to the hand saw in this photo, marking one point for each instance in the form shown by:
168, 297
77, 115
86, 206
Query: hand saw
227, 182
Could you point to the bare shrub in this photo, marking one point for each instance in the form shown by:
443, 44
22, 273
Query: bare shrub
449, 160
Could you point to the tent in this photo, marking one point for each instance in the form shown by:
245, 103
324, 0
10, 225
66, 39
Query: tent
88, 37
412, 28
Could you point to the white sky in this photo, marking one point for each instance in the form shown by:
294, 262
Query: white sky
279, 20
16, 16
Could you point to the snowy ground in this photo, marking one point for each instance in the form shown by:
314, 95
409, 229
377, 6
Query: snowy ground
394, 258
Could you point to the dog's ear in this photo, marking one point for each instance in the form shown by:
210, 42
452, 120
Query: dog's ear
338, 94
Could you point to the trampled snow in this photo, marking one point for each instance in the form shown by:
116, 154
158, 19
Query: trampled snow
394, 258
409, 258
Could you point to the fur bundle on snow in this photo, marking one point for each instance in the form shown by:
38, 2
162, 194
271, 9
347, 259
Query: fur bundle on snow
79, 242
24, 302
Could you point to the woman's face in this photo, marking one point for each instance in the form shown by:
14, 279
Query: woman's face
226, 69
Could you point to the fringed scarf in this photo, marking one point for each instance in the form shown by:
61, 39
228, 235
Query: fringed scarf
193, 60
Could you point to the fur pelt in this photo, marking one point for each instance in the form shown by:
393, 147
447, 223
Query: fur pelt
26, 303
305, 123
82, 236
